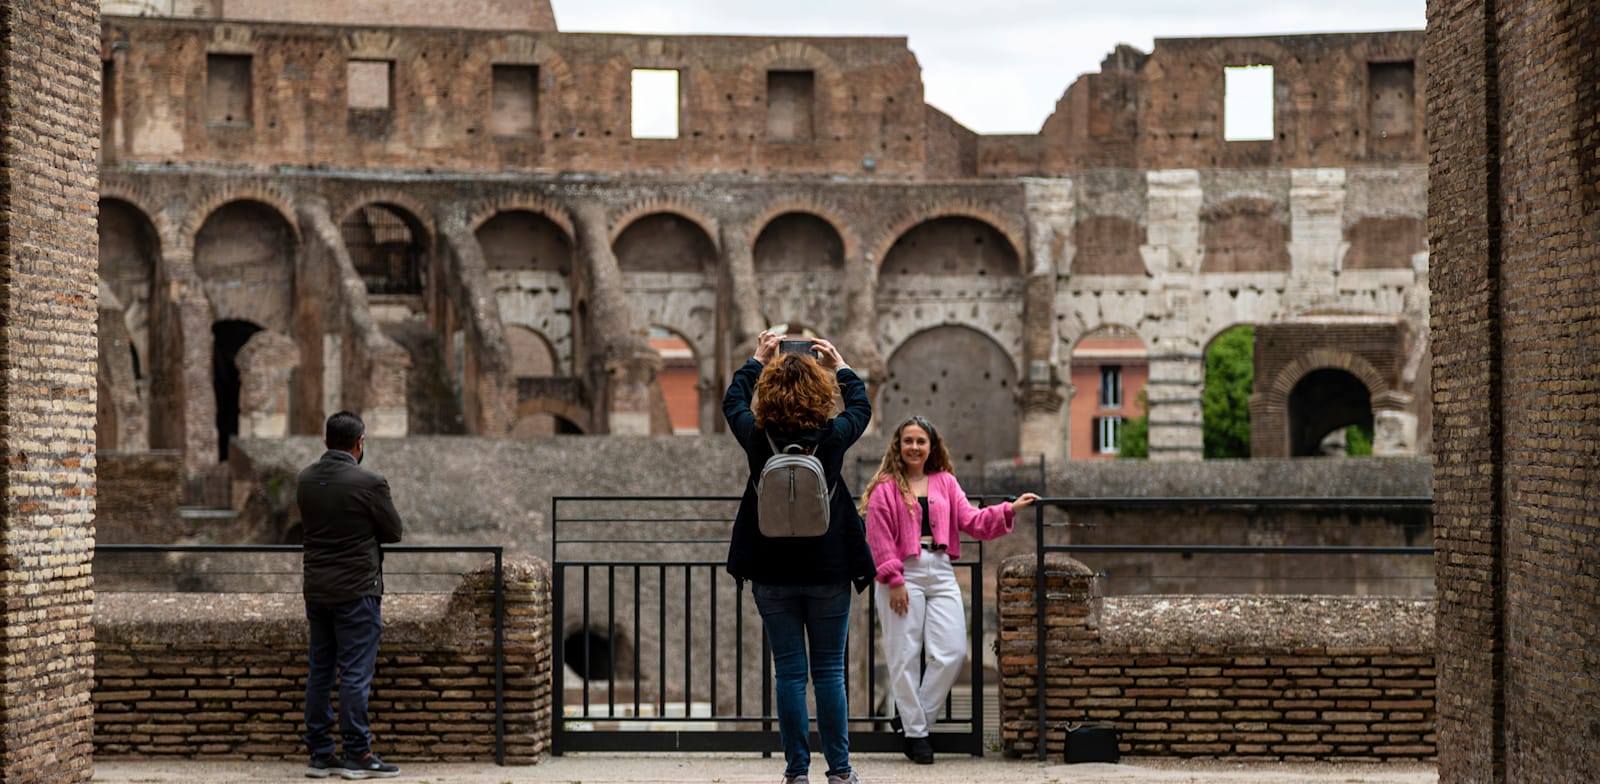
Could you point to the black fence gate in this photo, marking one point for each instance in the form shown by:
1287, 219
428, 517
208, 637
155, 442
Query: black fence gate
659, 649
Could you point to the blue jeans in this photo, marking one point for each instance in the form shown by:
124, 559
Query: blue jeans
343, 637
792, 615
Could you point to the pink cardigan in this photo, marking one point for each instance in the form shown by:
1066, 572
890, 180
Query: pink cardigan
895, 534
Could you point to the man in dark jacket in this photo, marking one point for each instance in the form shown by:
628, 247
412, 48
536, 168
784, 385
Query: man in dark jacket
345, 514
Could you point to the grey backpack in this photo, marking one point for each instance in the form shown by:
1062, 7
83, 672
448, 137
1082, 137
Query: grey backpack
792, 494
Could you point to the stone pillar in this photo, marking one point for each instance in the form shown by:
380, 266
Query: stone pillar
266, 366
1316, 232
744, 294
624, 366
1177, 367
1051, 211
1071, 621
48, 305
858, 343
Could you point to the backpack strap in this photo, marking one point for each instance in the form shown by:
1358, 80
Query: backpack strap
785, 450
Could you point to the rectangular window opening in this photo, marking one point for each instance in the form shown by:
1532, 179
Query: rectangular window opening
228, 89
790, 98
1111, 386
1391, 100
1247, 108
514, 98
1107, 434
369, 84
655, 103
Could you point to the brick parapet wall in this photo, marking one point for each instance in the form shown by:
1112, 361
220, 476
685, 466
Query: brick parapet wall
223, 675
49, 303
1240, 677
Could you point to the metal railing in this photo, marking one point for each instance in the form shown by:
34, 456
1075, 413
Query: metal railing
1283, 504
498, 613
679, 660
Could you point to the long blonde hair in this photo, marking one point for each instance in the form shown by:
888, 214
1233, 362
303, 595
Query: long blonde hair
893, 467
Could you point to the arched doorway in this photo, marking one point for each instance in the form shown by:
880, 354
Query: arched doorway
799, 263
227, 338
1323, 402
964, 383
388, 248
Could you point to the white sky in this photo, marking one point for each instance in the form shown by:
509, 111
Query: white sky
996, 66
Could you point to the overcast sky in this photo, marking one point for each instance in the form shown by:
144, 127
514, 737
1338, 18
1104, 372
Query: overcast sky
996, 66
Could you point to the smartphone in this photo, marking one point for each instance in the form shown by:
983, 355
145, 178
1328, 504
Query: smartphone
797, 347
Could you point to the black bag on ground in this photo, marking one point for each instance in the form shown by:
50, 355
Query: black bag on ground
1097, 743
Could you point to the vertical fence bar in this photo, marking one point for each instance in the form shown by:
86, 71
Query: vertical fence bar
1038, 611
980, 699
638, 610
688, 638
712, 581
611, 640
500, 657
661, 648
588, 677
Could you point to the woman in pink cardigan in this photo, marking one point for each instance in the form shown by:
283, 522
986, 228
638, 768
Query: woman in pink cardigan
916, 513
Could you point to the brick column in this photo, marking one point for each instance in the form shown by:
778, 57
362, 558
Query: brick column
49, 142
1070, 622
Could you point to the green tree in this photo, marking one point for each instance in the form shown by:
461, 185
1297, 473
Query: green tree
1358, 441
1230, 372
1133, 441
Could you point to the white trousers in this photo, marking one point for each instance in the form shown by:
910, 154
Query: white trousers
935, 623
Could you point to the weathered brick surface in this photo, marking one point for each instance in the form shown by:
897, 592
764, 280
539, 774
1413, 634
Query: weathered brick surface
1295, 678
1513, 231
223, 675
48, 307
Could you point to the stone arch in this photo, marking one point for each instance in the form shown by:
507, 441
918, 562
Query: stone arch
828, 214
1384, 242
270, 194
966, 384
389, 247
552, 211
629, 215
244, 256
545, 416
1276, 394
665, 241
937, 231
130, 258
532, 355
831, 96
809, 236
554, 71
1107, 245
145, 203
396, 198
1323, 401
683, 378
519, 238
1244, 234
1002, 224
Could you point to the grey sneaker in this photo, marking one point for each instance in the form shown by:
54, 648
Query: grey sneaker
324, 765
800, 779
843, 778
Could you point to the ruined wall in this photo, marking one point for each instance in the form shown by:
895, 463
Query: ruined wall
227, 680
1288, 678
266, 94
1339, 100
1513, 232
48, 310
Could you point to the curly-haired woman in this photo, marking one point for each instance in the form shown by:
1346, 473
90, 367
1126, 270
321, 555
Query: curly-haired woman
802, 584
916, 513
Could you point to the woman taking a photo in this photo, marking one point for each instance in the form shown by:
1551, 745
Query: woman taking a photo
916, 512
802, 583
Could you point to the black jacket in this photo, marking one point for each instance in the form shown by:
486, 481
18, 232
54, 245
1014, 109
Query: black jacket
841, 554
345, 513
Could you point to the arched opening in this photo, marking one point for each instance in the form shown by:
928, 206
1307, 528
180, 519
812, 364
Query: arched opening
799, 264
244, 255
129, 251
664, 242
525, 240
588, 653
388, 248
965, 384
1225, 402
952, 246
227, 338
1323, 402
679, 379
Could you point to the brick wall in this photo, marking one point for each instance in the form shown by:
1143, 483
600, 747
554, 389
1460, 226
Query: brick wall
223, 675
1513, 234
1241, 677
49, 138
